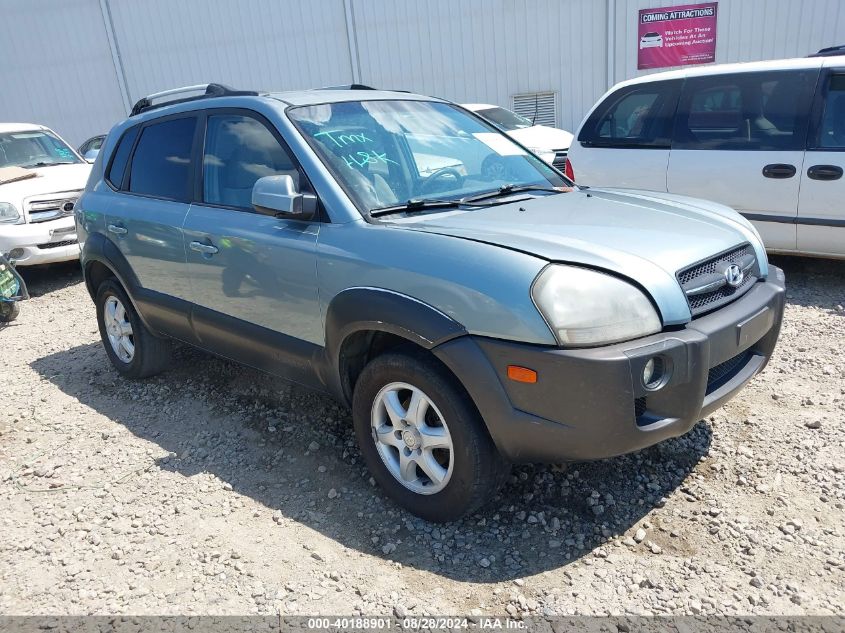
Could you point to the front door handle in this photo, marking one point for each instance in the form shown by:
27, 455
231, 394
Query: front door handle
206, 249
824, 172
779, 170
118, 230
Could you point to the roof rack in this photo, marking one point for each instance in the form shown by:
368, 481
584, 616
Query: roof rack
348, 87
830, 51
209, 90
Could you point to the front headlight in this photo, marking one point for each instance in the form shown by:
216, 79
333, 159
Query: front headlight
9, 213
585, 307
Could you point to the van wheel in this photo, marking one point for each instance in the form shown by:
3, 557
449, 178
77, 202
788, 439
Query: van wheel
132, 349
422, 438
9, 311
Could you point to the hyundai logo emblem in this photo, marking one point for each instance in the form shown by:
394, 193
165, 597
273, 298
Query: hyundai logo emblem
67, 207
734, 275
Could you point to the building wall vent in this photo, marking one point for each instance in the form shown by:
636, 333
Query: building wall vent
540, 107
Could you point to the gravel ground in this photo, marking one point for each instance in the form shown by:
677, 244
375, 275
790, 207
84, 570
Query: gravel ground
214, 489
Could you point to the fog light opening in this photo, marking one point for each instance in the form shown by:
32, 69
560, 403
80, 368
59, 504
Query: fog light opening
654, 374
16, 253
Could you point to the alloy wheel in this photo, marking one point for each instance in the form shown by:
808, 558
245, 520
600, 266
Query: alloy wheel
119, 329
412, 438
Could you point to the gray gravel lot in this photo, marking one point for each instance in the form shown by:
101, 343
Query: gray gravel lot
214, 489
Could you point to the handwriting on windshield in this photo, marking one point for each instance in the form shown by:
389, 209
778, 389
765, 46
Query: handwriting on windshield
359, 154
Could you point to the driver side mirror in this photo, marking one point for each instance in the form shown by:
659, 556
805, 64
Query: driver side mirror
277, 196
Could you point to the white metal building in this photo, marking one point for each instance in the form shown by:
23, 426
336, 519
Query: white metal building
78, 65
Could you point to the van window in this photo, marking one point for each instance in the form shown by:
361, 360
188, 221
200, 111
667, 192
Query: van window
747, 111
832, 133
161, 165
121, 157
636, 116
238, 151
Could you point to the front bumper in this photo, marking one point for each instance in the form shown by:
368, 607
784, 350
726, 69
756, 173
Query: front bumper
42, 242
591, 403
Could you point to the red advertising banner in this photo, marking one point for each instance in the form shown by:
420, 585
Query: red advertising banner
677, 36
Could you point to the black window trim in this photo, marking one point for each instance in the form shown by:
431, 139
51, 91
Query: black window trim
804, 121
198, 182
107, 171
676, 84
817, 110
124, 185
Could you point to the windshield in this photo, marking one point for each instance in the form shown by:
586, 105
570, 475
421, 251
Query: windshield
388, 152
505, 119
34, 148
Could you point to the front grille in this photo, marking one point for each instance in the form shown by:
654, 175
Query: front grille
723, 372
560, 159
52, 208
56, 244
711, 270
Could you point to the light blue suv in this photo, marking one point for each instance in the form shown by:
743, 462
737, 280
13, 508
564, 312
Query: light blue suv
471, 305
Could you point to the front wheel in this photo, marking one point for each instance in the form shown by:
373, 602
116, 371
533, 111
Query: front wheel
423, 439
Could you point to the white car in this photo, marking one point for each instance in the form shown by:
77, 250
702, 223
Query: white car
41, 176
765, 138
651, 40
549, 143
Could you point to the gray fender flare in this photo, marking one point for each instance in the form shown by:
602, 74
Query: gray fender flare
380, 310
98, 248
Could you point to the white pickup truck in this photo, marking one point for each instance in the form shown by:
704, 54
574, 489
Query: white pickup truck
41, 177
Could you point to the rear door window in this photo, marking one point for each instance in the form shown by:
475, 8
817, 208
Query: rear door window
161, 164
745, 111
635, 116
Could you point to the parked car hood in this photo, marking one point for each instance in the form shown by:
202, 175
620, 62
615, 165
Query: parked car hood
644, 236
542, 137
58, 178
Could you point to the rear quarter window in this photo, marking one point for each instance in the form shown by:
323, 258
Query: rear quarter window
638, 116
117, 168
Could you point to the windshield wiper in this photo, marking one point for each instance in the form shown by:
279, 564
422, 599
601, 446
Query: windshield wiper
43, 164
420, 204
508, 189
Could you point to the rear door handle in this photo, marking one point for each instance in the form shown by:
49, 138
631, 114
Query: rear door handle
118, 230
207, 249
779, 170
824, 172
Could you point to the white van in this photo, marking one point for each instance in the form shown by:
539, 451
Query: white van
41, 177
766, 138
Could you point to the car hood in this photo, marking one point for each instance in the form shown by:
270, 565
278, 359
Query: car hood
55, 179
542, 137
646, 237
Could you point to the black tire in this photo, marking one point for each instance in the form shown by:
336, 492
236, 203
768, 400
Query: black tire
479, 470
152, 354
9, 311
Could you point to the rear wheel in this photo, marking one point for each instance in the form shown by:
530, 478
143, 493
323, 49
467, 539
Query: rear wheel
422, 438
132, 348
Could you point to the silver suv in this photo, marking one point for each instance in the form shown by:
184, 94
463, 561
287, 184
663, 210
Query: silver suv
470, 304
